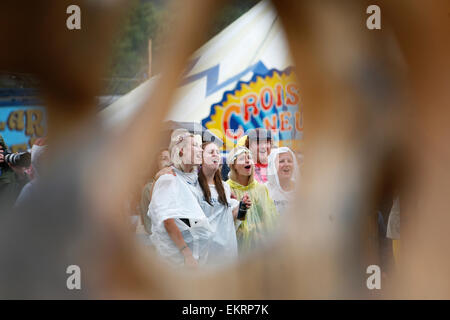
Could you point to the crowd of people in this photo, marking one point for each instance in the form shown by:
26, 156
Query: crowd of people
203, 209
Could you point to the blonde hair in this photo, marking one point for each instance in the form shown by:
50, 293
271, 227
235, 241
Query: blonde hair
178, 142
231, 159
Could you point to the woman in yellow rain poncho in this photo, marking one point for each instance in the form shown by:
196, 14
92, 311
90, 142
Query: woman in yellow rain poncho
261, 217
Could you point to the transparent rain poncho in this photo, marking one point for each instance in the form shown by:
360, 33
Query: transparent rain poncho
280, 197
177, 197
223, 246
260, 219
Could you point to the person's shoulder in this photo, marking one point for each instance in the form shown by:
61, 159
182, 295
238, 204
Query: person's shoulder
167, 177
262, 187
259, 185
166, 180
227, 188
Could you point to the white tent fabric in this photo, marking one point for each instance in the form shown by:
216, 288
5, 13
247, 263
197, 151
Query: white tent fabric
121, 110
253, 44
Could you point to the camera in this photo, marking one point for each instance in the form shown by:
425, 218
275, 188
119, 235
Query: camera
21, 159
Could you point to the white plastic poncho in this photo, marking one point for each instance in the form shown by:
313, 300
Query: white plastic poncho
177, 197
280, 197
223, 247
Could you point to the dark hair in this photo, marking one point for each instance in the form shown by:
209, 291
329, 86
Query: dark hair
217, 182
257, 135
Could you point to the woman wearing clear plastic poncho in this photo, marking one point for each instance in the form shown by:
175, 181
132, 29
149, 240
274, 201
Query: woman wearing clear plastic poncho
219, 207
180, 230
281, 174
261, 218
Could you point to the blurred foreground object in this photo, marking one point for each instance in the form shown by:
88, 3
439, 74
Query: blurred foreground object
370, 123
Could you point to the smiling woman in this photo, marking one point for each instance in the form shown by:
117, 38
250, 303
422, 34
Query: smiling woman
281, 176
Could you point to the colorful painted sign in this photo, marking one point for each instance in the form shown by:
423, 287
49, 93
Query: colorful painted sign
21, 125
269, 100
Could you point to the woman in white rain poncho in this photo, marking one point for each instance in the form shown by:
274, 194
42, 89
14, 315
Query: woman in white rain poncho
219, 207
281, 174
180, 230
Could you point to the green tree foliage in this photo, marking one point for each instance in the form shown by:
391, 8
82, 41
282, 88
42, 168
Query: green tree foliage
131, 49
230, 13
146, 20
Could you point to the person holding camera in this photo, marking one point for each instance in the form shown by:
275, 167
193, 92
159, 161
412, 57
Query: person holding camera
12, 174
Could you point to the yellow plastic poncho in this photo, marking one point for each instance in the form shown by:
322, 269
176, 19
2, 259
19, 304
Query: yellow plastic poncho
260, 218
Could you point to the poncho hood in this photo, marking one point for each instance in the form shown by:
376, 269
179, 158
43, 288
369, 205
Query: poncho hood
272, 174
